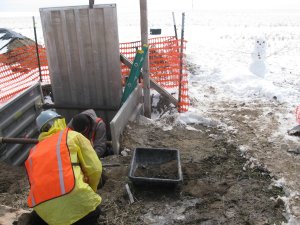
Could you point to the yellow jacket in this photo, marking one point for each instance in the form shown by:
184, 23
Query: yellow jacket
83, 199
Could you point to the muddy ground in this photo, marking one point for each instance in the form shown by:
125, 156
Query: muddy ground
230, 165
219, 186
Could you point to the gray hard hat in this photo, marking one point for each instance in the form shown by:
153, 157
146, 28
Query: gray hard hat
45, 117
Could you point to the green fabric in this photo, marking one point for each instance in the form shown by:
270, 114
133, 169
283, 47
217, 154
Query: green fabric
83, 199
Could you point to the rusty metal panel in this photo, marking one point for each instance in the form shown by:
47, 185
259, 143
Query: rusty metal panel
17, 119
84, 61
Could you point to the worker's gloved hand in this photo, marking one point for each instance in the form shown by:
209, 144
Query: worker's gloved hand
86, 179
102, 180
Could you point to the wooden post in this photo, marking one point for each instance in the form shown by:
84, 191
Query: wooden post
175, 28
181, 61
144, 40
37, 50
91, 3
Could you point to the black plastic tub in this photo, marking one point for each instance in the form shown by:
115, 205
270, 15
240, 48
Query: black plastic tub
155, 166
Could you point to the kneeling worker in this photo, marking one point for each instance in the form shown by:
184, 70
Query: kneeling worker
63, 171
93, 128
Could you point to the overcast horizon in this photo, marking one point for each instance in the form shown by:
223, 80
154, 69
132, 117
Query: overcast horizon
133, 5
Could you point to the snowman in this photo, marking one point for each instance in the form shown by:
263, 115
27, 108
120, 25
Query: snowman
258, 65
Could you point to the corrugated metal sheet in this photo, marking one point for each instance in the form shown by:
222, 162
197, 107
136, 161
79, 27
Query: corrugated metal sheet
17, 119
84, 60
10, 40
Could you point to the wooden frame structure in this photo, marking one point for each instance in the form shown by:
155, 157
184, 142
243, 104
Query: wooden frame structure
83, 53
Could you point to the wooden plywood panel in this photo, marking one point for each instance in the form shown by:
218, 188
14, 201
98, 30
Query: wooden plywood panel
129, 110
83, 53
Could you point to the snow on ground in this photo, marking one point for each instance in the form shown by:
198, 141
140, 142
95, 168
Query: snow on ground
222, 84
219, 55
3, 43
219, 52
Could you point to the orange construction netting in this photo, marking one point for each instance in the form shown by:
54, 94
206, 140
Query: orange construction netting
19, 67
19, 70
167, 65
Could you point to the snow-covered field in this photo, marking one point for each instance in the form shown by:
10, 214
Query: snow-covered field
222, 55
221, 52
220, 44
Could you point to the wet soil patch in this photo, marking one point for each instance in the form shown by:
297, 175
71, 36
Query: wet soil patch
167, 170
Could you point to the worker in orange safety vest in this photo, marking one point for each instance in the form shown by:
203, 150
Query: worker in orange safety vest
94, 129
64, 172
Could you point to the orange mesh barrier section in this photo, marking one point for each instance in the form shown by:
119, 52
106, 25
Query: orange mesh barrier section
19, 67
19, 70
166, 67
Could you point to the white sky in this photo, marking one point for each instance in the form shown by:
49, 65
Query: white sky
132, 5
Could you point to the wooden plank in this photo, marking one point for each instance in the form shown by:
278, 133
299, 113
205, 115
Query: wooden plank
71, 53
131, 199
153, 83
120, 120
48, 36
163, 92
76, 7
61, 70
96, 27
83, 53
69, 39
113, 52
60, 75
52, 29
100, 64
139, 109
82, 33
107, 24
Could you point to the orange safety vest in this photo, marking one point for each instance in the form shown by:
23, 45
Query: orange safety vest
49, 169
98, 120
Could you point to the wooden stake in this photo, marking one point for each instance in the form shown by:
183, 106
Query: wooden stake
144, 40
37, 50
131, 199
175, 28
181, 61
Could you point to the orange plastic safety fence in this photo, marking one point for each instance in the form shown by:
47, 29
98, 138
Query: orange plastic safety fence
19, 67
167, 64
19, 70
